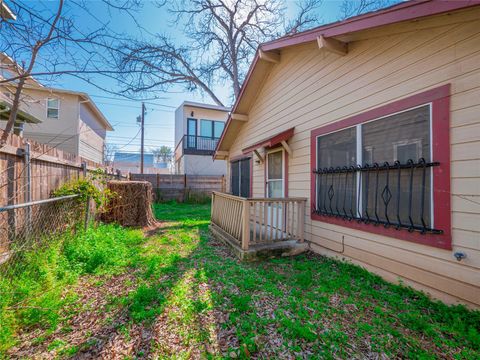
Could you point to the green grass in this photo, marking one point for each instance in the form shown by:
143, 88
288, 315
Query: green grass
43, 278
197, 301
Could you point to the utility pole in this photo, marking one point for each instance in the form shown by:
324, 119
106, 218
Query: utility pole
143, 136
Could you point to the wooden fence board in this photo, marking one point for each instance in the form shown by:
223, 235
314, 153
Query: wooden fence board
168, 187
50, 168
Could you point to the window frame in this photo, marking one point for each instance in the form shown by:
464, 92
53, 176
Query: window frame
212, 122
49, 107
439, 100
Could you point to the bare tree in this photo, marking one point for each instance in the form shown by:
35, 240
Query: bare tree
46, 43
222, 39
163, 154
350, 8
109, 153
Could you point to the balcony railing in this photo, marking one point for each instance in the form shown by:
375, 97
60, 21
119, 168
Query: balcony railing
194, 144
258, 221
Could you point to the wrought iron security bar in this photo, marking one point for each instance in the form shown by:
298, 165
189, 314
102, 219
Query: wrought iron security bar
365, 194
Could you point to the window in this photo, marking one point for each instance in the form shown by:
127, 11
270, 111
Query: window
275, 178
387, 170
53, 108
211, 129
206, 128
240, 177
218, 129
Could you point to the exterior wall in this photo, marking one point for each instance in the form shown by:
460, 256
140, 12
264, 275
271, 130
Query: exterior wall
203, 165
91, 135
310, 88
61, 132
180, 125
77, 130
196, 164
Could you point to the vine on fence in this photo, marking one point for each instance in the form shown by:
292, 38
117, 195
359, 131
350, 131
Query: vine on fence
91, 187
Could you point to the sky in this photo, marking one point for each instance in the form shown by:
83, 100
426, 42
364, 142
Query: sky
159, 120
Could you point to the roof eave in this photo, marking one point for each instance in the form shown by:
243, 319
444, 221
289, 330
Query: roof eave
395, 14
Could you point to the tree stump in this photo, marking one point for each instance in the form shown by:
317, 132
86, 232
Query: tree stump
131, 204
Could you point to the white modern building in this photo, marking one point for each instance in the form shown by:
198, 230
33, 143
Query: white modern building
198, 128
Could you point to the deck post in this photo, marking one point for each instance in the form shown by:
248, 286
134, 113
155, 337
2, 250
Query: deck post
245, 224
301, 220
212, 207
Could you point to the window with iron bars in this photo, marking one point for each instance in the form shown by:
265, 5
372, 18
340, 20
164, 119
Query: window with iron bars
379, 172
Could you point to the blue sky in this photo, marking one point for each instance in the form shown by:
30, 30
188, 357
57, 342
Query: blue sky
122, 113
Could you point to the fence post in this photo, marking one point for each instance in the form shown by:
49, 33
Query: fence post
245, 224
28, 184
87, 213
185, 196
84, 169
301, 220
212, 207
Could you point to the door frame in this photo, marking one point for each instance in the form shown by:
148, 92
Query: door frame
284, 170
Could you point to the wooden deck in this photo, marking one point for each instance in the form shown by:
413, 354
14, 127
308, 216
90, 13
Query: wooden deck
257, 228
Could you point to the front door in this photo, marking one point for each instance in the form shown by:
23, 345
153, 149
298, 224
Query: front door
275, 174
192, 133
275, 187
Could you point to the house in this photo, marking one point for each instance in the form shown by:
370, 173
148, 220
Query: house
363, 138
66, 119
198, 128
128, 162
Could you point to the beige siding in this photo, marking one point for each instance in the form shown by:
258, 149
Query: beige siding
91, 135
310, 88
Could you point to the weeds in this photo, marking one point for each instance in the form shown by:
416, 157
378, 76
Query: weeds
197, 301
35, 295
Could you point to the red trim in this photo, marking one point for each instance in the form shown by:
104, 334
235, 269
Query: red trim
285, 191
440, 100
402, 12
285, 178
271, 141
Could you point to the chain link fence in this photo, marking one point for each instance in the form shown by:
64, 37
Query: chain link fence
33, 225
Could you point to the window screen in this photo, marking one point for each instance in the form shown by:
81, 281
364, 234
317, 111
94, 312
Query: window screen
240, 177
337, 150
389, 182
402, 137
235, 178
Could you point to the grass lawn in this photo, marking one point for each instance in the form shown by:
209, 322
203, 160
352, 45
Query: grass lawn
176, 293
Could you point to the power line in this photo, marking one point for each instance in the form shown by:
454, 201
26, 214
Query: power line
131, 106
127, 137
124, 99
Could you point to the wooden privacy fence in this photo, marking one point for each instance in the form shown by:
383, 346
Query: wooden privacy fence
30, 171
257, 221
182, 187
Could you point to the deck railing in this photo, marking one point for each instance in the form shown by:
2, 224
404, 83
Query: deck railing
256, 221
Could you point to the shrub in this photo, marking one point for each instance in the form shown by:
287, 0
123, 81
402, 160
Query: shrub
91, 187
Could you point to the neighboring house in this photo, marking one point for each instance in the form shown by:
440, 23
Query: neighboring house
68, 120
130, 163
198, 128
375, 121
